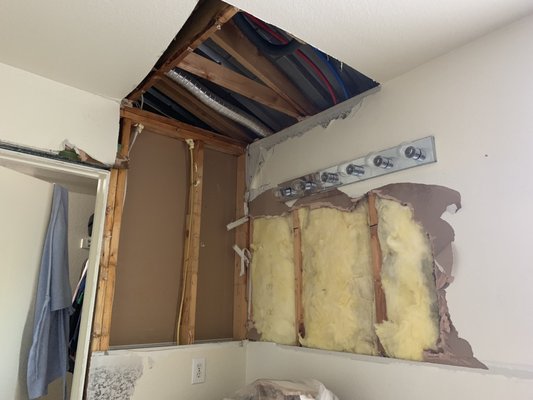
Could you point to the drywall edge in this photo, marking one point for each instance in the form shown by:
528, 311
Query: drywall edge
258, 151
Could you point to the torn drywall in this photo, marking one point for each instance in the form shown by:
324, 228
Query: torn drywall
113, 377
425, 204
428, 203
260, 151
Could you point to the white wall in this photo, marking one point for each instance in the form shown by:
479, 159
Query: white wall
42, 113
167, 372
477, 102
80, 208
24, 214
370, 378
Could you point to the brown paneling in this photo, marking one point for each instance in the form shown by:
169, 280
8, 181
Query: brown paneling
214, 308
151, 248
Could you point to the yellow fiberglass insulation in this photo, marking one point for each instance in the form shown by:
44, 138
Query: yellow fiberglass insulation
408, 282
338, 293
273, 297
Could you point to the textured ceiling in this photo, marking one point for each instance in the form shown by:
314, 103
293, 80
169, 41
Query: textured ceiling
102, 46
384, 38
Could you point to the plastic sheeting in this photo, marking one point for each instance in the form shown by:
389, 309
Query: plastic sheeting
264, 389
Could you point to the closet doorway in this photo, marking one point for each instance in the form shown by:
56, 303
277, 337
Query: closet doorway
27, 181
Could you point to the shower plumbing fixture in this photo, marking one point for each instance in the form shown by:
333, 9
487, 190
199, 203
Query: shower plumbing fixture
398, 158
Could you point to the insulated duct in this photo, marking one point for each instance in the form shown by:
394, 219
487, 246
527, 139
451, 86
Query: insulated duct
216, 103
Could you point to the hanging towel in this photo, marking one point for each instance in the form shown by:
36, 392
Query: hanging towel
48, 359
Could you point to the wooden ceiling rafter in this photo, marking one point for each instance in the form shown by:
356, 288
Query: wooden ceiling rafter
179, 130
192, 104
206, 19
237, 45
238, 83
212, 20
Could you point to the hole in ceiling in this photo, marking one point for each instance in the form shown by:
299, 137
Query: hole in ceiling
247, 79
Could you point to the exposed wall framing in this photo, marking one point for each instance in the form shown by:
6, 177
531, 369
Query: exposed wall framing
297, 234
242, 241
186, 319
379, 293
108, 260
180, 131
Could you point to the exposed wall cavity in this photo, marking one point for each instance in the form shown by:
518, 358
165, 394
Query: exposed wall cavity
112, 377
273, 280
407, 278
338, 292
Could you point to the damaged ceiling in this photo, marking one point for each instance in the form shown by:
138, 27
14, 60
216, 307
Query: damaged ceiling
244, 78
107, 48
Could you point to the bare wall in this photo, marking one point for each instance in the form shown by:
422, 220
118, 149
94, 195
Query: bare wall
152, 238
24, 212
151, 244
214, 309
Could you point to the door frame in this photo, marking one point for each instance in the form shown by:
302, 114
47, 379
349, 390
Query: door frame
75, 175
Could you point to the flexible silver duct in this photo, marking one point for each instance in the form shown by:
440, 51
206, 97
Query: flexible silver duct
219, 105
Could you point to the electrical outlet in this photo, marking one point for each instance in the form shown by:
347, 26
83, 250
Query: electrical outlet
198, 370
85, 243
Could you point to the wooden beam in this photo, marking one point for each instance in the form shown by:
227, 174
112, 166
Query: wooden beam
225, 77
241, 240
179, 130
108, 261
234, 42
297, 237
249, 286
209, 16
192, 104
113, 260
104, 263
379, 294
189, 285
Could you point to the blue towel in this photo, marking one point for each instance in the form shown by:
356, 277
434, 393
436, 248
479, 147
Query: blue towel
48, 359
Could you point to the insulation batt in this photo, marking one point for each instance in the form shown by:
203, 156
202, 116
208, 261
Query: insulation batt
273, 280
408, 282
338, 292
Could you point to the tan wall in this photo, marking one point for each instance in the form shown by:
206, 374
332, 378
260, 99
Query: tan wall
214, 312
151, 245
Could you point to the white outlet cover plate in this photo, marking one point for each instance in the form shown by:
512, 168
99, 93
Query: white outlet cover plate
198, 370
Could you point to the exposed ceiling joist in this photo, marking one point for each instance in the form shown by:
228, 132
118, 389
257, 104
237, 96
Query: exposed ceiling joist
206, 19
235, 43
179, 130
192, 104
273, 82
225, 77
